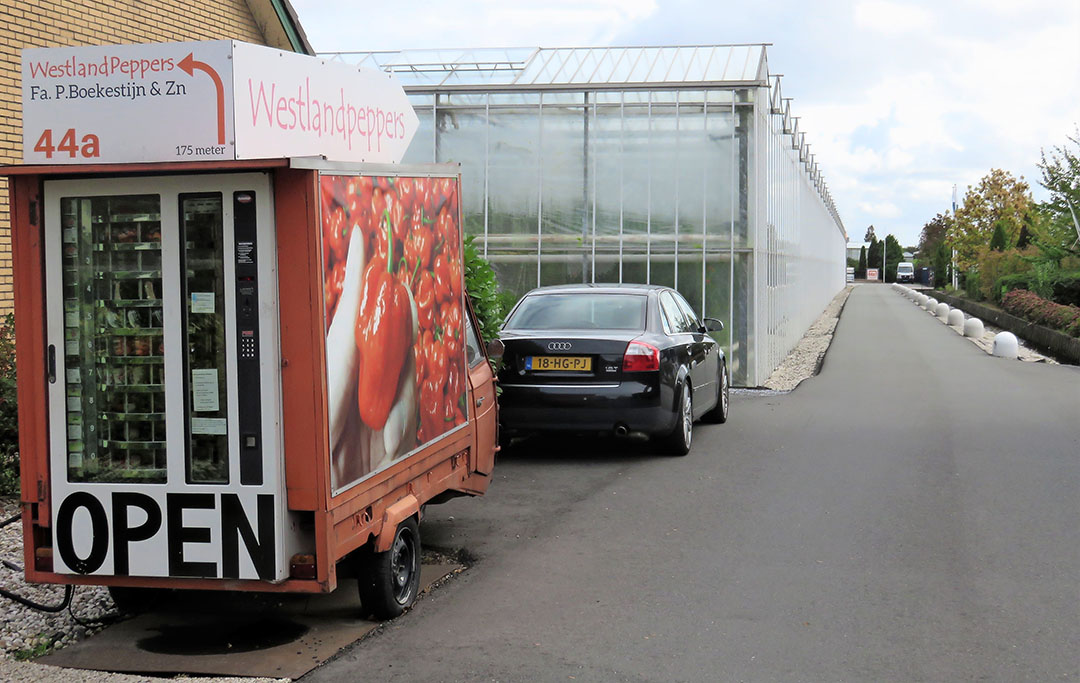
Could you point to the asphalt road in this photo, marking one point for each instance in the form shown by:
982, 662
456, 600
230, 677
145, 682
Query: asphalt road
910, 514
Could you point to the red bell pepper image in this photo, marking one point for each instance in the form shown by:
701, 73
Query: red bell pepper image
383, 338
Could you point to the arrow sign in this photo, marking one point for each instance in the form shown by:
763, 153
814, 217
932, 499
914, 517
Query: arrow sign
188, 65
294, 105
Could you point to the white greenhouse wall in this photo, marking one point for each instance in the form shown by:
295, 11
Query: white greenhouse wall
800, 249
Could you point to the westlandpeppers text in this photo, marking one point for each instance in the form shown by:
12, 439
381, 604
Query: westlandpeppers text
324, 118
97, 91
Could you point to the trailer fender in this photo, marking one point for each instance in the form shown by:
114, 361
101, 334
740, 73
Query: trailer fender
394, 515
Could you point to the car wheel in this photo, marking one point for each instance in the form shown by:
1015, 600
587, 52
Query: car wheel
680, 439
719, 414
390, 581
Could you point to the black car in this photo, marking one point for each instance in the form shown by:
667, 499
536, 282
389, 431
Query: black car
610, 359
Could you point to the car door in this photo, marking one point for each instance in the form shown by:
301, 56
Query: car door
680, 330
704, 356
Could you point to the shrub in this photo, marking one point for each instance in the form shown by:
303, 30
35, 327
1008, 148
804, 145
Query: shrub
480, 282
994, 265
1034, 308
9, 410
1062, 287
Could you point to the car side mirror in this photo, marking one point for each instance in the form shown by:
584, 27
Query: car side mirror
495, 348
712, 325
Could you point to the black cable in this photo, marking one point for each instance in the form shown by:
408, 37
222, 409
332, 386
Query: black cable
14, 518
95, 621
68, 592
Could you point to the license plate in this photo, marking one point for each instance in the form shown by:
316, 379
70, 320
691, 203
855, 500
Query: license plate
566, 363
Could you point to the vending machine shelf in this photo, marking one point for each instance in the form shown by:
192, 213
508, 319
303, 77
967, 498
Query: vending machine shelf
134, 417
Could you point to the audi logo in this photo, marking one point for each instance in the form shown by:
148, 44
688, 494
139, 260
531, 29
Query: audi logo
558, 346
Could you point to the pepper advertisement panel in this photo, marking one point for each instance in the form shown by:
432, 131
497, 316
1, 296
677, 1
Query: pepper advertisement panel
392, 283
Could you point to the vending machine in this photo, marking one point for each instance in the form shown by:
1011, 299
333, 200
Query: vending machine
247, 371
161, 300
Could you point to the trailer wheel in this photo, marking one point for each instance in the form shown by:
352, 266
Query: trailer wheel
391, 580
130, 600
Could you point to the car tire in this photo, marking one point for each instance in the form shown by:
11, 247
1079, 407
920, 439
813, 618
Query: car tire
680, 439
719, 414
390, 581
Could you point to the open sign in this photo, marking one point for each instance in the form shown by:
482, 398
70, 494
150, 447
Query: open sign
192, 535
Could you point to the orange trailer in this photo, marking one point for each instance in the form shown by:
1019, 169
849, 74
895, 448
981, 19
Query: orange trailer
240, 374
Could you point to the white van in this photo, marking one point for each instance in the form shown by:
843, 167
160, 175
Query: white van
905, 272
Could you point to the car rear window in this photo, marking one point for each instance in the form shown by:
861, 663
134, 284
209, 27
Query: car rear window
586, 310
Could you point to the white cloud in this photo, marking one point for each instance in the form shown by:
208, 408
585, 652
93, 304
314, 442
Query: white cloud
891, 17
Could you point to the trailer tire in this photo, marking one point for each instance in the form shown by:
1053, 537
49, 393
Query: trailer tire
390, 581
131, 600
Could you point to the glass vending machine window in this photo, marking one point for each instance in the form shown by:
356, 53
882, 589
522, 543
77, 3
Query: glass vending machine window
113, 338
201, 230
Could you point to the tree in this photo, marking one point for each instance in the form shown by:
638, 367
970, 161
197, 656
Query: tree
1025, 237
1061, 213
861, 274
933, 251
889, 249
997, 197
869, 236
998, 241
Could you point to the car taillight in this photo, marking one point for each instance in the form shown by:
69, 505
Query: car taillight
640, 357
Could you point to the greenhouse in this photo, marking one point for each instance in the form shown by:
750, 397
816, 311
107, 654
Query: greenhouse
680, 166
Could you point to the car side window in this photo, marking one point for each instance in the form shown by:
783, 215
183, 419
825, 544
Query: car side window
473, 354
675, 318
688, 311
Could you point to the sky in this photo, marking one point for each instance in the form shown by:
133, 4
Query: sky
900, 101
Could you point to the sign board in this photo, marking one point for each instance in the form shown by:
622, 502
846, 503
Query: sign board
203, 101
871, 273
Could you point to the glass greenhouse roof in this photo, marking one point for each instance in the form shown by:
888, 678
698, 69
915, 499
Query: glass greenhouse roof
491, 69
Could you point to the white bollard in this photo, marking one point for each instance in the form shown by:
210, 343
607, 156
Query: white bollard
942, 311
1006, 346
956, 318
920, 299
973, 328
931, 304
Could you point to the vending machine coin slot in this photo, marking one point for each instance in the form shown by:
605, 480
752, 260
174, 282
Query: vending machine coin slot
247, 326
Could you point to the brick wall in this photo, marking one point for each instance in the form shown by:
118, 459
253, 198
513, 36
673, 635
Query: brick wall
40, 23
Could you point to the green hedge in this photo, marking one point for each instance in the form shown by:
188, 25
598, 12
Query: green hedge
1034, 308
1063, 287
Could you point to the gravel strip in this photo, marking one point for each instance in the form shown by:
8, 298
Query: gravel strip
805, 359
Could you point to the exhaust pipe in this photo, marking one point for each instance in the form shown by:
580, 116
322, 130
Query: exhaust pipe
621, 430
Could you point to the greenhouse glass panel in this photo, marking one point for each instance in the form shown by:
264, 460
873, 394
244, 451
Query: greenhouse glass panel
517, 274
558, 267
718, 294
462, 138
564, 177
719, 161
422, 147
607, 169
514, 169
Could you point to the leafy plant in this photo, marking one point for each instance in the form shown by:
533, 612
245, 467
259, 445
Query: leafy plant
483, 287
1061, 177
9, 410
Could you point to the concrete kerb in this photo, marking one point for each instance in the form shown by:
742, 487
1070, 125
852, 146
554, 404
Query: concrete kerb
1059, 345
1004, 345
